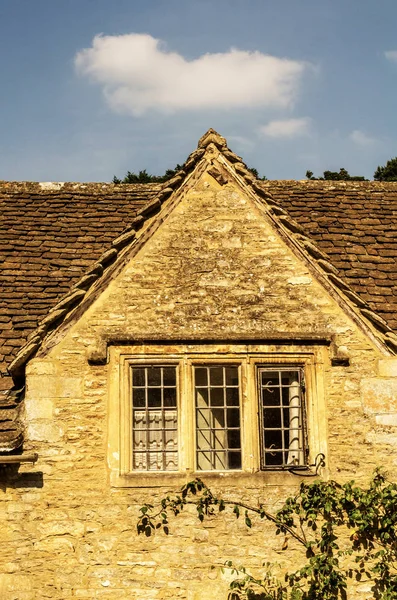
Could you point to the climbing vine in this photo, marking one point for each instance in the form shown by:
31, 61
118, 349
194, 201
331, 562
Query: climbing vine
346, 533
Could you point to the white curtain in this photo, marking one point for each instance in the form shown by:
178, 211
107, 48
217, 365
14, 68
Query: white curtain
148, 435
295, 446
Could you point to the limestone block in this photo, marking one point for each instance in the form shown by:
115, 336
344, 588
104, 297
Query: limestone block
12, 583
387, 439
41, 386
16, 507
10, 567
300, 280
70, 387
38, 408
379, 395
43, 430
41, 367
388, 367
388, 420
200, 535
55, 545
58, 528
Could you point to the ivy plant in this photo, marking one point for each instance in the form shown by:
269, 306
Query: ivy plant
347, 533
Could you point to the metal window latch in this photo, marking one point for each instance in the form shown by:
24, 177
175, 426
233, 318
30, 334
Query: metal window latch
319, 463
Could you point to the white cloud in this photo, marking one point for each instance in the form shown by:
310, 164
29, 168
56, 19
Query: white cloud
391, 55
138, 73
287, 128
362, 139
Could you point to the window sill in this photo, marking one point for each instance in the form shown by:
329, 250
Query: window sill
219, 479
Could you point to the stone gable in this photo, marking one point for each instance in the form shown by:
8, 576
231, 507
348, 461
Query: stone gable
216, 268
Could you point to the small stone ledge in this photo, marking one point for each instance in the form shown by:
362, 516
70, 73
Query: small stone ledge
70, 300
375, 319
327, 267
313, 250
212, 137
291, 224
193, 158
238, 479
124, 239
218, 176
108, 257
340, 355
15, 459
86, 282
97, 354
339, 283
356, 299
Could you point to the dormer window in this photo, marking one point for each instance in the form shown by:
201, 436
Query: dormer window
206, 411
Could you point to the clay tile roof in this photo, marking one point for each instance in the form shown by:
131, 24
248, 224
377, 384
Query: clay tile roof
50, 235
355, 223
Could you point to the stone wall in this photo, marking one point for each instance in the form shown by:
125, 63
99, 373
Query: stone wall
215, 269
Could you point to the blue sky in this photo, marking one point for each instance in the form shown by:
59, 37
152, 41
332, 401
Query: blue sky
92, 88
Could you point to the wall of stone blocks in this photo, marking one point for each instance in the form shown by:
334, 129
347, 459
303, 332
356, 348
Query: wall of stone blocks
216, 264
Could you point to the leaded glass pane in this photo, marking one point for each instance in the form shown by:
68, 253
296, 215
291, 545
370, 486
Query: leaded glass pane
282, 417
218, 442
154, 418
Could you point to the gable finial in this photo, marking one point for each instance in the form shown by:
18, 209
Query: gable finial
212, 136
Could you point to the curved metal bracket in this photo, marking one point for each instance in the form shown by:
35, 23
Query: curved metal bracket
319, 463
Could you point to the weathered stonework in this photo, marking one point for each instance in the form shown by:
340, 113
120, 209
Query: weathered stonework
211, 266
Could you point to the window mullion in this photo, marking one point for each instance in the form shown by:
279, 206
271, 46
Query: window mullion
186, 431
